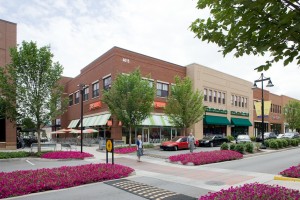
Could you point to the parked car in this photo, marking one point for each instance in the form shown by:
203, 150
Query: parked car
280, 136
267, 135
212, 141
291, 135
179, 142
242, 139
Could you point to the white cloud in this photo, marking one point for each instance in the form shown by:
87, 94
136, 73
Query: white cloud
80, 31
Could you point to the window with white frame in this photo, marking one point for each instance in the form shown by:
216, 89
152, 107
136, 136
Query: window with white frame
219, 97
215, 96
210, 95
70, 99
232, 100
95, 88
86, 94
205, 94
246, 103
162, 89
107, 83
223, 98
243, 102
77, 97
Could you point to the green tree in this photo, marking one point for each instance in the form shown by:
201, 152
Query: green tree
252, 27
130, 99
292, 114
185, 106
30, 86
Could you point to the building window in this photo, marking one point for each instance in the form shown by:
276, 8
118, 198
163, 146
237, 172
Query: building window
95, 88
239, 101
86, 94
243, 102
151, 83
162, 89
210, 95
235, 100
205, 94
215, 96
219, 97
76, 97
70, 99
232, 100
279, 109
246, 103
223, 98
107, 83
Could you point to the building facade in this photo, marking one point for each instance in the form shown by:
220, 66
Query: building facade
8, 39
228, 101
100, 74
274, 121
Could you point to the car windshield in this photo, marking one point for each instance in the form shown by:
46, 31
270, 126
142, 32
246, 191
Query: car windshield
243, 137
175, 139
208, 137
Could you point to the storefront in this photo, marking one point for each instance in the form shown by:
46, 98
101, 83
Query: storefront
240, 126
215, 125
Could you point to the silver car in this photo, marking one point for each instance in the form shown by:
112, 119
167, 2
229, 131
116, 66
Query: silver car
243, 138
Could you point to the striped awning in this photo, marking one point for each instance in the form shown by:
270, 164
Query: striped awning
73, 123
157, 120
98, 120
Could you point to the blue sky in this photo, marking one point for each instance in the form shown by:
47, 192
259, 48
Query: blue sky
79, 31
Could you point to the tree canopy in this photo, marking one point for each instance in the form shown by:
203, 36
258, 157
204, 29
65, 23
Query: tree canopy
184, 106
292, 114
130, 99
252, 27
30, 86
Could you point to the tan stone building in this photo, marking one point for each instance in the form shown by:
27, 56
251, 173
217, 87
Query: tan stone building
8, 39
228, 99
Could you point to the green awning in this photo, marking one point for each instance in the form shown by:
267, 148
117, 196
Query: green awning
98, 120
240, 122
156, 120
73, 123
216, 120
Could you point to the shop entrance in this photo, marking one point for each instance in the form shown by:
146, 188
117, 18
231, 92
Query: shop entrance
173, 133
145, 135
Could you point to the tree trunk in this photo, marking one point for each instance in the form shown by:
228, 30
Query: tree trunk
39, 140
129, 136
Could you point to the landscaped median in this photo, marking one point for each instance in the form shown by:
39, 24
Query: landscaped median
290, 174
201, 158
18, 183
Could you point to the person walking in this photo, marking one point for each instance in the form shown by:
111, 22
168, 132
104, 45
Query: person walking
139, 147
191, 142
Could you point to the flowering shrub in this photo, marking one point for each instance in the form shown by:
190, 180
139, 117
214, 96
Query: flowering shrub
201, 158
66, 155
293, 172
30, 181
124, 150
254, 191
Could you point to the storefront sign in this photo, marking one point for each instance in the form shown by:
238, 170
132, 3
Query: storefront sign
95, 105
239, 113
158, 104
215, 110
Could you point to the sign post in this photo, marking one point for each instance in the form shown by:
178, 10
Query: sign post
110, 148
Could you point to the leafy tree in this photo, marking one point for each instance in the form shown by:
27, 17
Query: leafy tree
252, 27
28, 124
130, 99
30, 86
292, 114
185, 106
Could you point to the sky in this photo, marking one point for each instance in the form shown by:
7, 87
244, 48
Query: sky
79, 31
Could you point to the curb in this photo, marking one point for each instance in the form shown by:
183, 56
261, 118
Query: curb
282, 178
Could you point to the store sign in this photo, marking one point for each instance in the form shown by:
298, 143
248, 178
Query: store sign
95, 105
240, 113
158, 104
215, 110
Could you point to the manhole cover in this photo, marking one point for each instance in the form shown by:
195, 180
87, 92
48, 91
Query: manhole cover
216, 183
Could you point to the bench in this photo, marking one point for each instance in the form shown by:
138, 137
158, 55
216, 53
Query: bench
68, 146
119, 143
44, 146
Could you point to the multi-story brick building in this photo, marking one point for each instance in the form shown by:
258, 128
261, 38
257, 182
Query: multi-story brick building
8, 39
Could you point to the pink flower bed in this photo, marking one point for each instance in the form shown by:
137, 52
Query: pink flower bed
254, 191
30, 181
201, 158
125, 150
66, 155
293, 172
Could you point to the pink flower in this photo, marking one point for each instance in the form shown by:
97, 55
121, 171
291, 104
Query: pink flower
124, 150
66, 155
293, 172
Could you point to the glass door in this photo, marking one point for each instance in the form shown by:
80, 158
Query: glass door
173, 133
145, 135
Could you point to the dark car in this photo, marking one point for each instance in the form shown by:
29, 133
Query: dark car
176, 143
212, 141
291, 135
267, 135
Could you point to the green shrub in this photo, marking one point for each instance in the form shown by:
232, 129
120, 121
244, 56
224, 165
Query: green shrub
280, 143
253, 138
147, 146
284, 143
289, 141
273, 144
240, 148
267, 143
232, 147
224, 146
230, 138
17, 154
294, 142
249, 147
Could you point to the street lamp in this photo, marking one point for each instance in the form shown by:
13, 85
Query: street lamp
81, 88
205, 107
270, 84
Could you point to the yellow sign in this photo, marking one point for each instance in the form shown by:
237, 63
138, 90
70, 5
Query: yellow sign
109, 145
267, 106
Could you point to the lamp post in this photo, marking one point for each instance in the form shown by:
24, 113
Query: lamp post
261, 79
205, 107
81, 88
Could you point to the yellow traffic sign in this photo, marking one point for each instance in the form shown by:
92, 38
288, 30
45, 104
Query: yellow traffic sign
109, 145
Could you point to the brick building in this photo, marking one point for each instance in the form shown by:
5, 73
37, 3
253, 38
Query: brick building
100, 74
8, 39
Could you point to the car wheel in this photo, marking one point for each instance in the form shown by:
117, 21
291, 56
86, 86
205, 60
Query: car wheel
212, 144
175, 148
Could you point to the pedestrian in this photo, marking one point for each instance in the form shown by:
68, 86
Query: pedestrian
139, 147
191, 142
